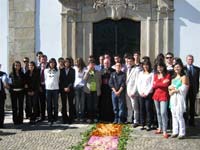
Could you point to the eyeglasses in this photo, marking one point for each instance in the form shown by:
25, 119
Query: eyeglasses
168, 57
25, 61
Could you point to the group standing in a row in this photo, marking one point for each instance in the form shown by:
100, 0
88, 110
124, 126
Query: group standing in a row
133, 92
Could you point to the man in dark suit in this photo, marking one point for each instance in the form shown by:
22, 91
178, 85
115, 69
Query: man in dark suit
193, 73
100, 66
67, 78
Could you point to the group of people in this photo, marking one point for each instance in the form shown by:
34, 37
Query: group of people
129, 91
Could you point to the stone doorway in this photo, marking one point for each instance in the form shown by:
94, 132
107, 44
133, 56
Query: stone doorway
116, 37
83, 20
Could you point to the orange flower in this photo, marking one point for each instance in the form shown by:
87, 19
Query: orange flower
107, 130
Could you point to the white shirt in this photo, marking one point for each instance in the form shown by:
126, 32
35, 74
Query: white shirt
145, 83
123, 69
79, 77
51, 78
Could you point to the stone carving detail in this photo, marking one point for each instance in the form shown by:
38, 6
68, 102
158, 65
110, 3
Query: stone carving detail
165, 11
106, 3
99, 3
118, 7
71, 14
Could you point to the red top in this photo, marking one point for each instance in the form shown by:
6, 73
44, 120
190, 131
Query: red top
161, 87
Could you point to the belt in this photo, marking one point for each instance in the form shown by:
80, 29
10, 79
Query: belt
17, 90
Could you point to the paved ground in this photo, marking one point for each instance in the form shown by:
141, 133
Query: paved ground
143, 140
61, 137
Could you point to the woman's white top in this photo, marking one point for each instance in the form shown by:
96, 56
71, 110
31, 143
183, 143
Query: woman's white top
79, 82
145, 83
51, 77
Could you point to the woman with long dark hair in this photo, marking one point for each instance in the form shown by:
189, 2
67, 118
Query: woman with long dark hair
80, 69
161, 96
52, 75
145, 90
17, 92
32, 87
178, 91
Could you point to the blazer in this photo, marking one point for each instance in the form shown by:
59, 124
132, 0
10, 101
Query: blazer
194, 79
131, 81
67, 80
33, 81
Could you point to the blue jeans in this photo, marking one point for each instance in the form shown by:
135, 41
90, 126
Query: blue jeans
79, 102
92, 105
118, 103
52, 105
162, 117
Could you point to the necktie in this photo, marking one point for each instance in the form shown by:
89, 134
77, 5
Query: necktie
191, 70
129, 70
42, 76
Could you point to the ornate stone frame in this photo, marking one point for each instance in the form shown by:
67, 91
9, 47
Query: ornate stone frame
156, 17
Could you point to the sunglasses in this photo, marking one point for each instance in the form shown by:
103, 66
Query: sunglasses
25, 61
168, 57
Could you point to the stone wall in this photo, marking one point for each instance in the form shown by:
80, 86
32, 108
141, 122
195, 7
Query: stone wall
21, 41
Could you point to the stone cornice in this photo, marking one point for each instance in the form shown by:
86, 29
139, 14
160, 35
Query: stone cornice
64, 1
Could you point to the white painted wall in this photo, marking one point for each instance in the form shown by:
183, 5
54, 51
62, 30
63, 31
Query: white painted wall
48, 27
4, 34
187, 29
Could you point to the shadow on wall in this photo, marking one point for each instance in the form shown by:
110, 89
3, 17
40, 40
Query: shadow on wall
185, 11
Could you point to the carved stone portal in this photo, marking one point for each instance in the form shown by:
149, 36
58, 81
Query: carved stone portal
155, 17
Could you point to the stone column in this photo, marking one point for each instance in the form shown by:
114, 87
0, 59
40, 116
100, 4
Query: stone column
143, 38
21, 30
159, 34
69, 33
87, 39
164, 26
64, 34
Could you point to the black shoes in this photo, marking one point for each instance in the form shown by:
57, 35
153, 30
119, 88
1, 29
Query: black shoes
135, 125
180, 137
174, 135
148, 128
32, 122
143, 128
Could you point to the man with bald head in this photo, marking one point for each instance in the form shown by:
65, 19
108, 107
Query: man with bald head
106, 109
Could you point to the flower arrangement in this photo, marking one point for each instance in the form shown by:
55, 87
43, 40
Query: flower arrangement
105, 137
102, 143
107, 130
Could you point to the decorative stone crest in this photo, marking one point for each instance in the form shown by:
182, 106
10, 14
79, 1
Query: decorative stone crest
117, 8
99, 3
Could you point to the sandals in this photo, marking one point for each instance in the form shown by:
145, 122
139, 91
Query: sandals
165, 135
158, 131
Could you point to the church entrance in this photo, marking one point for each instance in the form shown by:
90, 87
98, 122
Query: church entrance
115, 37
